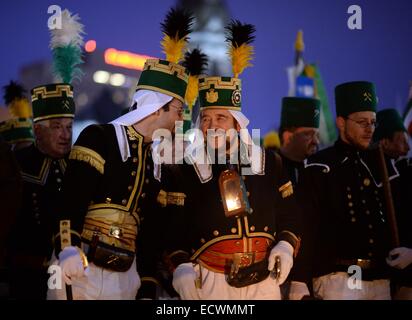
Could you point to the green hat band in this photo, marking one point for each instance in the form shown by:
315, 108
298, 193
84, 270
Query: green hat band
17, 130
354, 97
220, 92
300, 112
164, 77
389, 121
52, 101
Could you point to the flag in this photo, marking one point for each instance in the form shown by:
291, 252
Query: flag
305, 81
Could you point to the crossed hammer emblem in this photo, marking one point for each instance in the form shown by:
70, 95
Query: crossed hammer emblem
367, 96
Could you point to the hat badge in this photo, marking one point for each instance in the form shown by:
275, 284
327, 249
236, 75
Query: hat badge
66, 104
367, 96
212, 96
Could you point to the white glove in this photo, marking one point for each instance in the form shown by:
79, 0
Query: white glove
71, 263
298, 290
284, 251
184, 278
403, 260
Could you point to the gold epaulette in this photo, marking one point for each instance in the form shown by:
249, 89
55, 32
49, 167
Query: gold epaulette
89, 156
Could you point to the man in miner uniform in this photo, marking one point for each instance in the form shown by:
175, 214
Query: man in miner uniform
393, 137
212, 253
299, 136
111, 185
343, 199
42, 168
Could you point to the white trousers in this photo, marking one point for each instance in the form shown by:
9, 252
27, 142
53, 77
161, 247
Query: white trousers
101, 284
215, 287
338, 286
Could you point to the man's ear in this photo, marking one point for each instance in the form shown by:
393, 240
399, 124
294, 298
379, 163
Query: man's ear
38, 130
286, 136
340, 123
385, 143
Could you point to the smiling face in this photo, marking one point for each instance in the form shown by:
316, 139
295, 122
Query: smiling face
217, 121
54, 136
357, 129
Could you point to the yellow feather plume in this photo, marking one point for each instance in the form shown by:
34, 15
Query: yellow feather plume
20, 108
192, 91
241, 57
173, 48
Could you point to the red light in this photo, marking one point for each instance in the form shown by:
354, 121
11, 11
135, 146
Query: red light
90, 46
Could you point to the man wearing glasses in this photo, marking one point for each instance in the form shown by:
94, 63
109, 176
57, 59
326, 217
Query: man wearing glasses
299, 136
343, 200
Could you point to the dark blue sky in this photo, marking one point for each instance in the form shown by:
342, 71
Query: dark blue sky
381, 52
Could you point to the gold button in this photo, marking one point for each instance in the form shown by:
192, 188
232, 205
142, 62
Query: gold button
348, 188
361, 187
34, 201
143, 195
353, 219
59, 180
234, 230
349, 196
350, 204
252, 228
134, 145
135, 159
34, 195
215, 233
370, 254
148, 167
266, 228
133, 173
351, 212
363, 201
108, 200
257, 242
237, 243
147, 181
202, 240
366, 182
248, 193
367, 212
130, 188
370, 240
370, 226
124, 201
250, 210
244, 177
56, 171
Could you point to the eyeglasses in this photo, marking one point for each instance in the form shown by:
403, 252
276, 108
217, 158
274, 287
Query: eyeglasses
180, 110
364, 123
